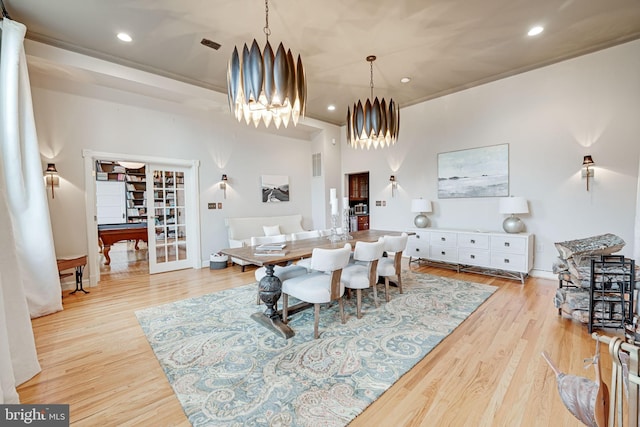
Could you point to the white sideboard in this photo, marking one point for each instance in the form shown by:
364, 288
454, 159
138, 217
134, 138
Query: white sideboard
498, 254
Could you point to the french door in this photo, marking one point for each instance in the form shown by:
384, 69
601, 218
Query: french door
169, 228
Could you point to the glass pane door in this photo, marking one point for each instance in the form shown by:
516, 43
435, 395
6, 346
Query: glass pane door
168, 249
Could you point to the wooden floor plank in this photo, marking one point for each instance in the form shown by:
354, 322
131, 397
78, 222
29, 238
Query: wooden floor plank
487, 372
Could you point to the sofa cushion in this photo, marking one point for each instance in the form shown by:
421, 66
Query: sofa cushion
271, 230
245, 228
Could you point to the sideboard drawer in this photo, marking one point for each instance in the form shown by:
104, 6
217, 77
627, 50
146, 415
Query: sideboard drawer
444, 238
509, 262
510, 244
443, 253
473, 240
473, 256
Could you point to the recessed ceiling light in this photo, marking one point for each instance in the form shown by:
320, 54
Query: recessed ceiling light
331, 107
405, 79
124, 37
534, 31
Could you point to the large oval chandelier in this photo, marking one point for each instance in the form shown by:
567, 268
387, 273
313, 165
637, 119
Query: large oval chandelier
264, 86
377, 124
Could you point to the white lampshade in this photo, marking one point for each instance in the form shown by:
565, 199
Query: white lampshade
420, 205
513, 205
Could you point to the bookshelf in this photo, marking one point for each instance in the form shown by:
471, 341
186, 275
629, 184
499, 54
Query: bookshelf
168, 205
134, 194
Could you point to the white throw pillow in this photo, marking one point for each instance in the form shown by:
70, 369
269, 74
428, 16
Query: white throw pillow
271, 230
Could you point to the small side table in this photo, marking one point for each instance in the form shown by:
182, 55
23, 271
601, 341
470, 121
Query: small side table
78, 263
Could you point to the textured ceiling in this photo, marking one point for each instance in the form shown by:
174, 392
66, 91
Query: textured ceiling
442, 45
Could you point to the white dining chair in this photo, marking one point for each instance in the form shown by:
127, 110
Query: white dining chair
305, 262
390, 266
281, 272
322, 285
362, 273
305, 235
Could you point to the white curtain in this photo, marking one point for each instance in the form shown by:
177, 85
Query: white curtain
29, 283
636, 242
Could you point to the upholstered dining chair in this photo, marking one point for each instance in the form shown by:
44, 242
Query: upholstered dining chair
322, 285
305, 262
305, 235
390, 266
362, 274
282, 272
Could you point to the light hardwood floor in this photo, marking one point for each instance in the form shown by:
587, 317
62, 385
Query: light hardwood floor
488, 372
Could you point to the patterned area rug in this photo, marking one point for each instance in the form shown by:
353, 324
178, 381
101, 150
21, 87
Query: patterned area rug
228, 370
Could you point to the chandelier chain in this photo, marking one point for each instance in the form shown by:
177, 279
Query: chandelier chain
266, 29
371, 84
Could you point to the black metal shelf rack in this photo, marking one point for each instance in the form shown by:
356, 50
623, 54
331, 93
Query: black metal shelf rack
611, 292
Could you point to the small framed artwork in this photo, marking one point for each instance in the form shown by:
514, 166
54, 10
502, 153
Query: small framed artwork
275, 188
476, 172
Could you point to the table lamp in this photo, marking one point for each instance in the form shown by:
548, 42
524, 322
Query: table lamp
421, 206
512, 206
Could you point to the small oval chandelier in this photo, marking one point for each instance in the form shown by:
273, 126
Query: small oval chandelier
377, 124
264, 86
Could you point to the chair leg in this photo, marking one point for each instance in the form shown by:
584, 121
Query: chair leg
358, 303
375, 295
316, 319
341, 304
258, 296
386, 288
399, 282
285, 307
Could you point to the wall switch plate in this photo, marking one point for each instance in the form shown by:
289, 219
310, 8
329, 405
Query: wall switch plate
219, 205
211, 205
378, 203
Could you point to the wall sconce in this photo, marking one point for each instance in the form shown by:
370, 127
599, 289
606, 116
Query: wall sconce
394, 185
51, 178
586, 172
223, 184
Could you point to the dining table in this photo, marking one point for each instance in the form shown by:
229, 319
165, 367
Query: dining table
270, 286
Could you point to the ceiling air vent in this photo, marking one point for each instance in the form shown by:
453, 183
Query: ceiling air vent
210, 43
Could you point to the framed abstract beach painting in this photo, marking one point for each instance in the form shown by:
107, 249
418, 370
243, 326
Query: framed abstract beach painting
275, 188
476, 172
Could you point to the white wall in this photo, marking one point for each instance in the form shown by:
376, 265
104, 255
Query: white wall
551, 118
80, 112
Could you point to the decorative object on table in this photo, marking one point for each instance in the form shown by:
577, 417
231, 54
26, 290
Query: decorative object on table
587, 162
223, 184
421, 206
587, 400
394, 185
275, 188
51, 178
206, 357
345, 219
376, 124
476, 172
265, 87
513, 206
333, 202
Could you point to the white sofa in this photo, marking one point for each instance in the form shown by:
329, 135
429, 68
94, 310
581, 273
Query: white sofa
241, 230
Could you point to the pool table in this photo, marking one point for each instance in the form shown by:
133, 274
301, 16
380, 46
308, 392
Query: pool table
108, 234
